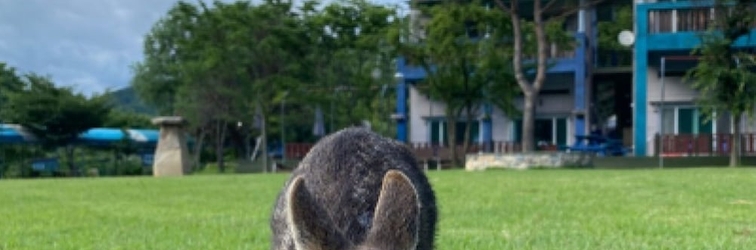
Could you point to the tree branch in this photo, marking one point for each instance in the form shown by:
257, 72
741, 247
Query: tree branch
517, 57
571, 11
548, 5
504, 7
542, 46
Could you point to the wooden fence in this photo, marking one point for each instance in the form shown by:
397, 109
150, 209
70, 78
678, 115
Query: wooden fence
428, 151
704, 144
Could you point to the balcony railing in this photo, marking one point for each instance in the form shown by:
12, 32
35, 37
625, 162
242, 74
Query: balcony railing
682, 20
704, 144
697, 19
429, 151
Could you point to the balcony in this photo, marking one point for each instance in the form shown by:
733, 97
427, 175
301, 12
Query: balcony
679, 20
678, 25
609, 58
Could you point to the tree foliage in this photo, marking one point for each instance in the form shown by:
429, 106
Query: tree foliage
222, 65
349, 48
55, 115
465, 58
725, 75
609, 30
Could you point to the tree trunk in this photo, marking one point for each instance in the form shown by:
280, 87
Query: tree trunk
70, 150
529, 89
451, 129
735, 149
528, 122
468, 124
264, 142
219, 147
198, 145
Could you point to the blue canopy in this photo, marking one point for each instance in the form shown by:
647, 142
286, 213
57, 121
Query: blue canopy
11, 133
109, 135
14, 134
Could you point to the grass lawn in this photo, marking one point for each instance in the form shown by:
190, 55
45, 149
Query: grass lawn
541, 209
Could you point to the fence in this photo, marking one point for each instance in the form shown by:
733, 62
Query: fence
704, 144
428, 151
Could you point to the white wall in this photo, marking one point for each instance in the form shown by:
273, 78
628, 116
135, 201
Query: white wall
421, 107
675, 90
547, 106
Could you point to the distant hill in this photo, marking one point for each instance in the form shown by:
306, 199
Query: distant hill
126, 99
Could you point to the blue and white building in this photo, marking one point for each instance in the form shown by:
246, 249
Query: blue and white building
670, 30
562, 109
569, 101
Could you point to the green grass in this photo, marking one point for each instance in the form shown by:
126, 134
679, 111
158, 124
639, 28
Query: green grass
542, 209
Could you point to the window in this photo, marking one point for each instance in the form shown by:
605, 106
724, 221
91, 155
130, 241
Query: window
439, 132
561, 131
686, 120
660, 21
552, 131
544, 131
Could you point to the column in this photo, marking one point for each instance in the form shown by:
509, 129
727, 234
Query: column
640, 71
401, 111
580, 74
487, 128
401, 102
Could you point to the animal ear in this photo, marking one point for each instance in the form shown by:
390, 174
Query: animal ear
311, 227
395, 222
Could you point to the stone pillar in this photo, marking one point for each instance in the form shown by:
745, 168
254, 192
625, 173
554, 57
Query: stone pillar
171, 154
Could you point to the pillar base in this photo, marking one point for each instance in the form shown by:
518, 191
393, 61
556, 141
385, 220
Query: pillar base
171, 154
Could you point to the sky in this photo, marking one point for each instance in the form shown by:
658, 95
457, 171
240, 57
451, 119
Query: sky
87, 44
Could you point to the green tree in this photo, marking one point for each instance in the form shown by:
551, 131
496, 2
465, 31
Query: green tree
464, 70
157, 78
56, 115
124, 119
533, 33
725, 75
351, 59
10, 82
233, 58
609, 30
13, 156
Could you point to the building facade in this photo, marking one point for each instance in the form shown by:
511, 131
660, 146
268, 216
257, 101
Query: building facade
562, 107
666, 32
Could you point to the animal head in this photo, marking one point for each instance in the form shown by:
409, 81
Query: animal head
394, 224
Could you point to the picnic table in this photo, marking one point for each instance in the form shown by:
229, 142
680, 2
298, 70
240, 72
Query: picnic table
599, 144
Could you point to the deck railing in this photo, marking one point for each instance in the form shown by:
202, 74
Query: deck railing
429, 151
704, 144
695, 19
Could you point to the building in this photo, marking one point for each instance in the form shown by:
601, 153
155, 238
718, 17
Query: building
668, 30
580, 79
563, 107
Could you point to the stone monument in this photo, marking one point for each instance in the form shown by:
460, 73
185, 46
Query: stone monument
171, 154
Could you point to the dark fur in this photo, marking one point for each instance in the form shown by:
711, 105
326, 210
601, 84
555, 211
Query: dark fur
336, 189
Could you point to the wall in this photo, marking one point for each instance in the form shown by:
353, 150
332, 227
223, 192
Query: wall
554, 104
677, 93
420, 108
481, 161
549, 105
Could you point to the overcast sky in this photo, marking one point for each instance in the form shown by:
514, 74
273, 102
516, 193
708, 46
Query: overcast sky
89, 44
